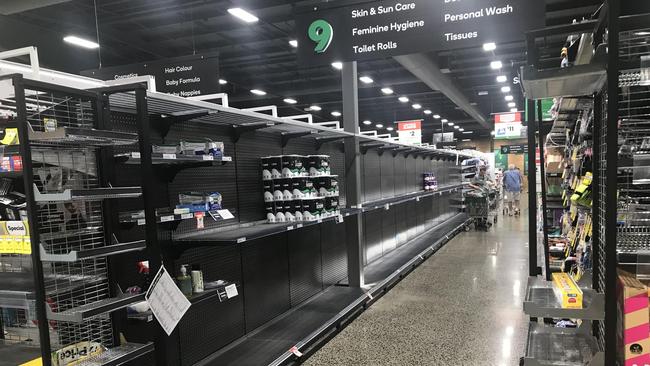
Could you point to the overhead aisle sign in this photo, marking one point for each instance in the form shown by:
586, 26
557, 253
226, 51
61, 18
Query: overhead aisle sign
390, 28
410, 132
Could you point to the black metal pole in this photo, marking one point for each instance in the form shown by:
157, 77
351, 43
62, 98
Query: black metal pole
154, 252
542, 172
32, 214
354, 225
611, 198
533, 269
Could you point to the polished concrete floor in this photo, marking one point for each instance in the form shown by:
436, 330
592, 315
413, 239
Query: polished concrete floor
461, 307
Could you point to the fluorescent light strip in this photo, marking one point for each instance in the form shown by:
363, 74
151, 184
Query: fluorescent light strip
337, 65
387, 91
77, 41
243, 15
290, 101
496, 65
258, 92
366, 79
223, 81
336, 114
490, 46
293, 43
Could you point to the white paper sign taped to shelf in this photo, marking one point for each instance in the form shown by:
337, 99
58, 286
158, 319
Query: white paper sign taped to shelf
167, 302
225, 214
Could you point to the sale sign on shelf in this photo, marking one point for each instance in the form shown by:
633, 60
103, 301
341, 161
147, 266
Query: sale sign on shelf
410, 132
508, 126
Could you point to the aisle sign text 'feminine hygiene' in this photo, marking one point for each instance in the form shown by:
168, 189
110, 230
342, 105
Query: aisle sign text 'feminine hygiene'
390, 28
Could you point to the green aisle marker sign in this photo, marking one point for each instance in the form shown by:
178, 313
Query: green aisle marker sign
375, 29
321, 32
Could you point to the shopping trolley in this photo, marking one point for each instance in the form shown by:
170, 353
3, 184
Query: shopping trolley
482, 209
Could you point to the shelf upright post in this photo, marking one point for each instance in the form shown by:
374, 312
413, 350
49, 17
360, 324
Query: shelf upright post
354, 227
154, 253
542, 169
611, 194
533, 268
32, 213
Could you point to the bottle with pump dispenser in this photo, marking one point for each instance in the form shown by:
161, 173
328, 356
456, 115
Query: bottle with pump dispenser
185, 282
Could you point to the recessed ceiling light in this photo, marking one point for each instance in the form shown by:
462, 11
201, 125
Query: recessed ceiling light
379, 126
456, 127
389, 128
290, 101
403, 99
512, 105
337, 65
315, 108
436, 116
496, 65
336, 114
505, 89
77, 41
427, 111
450, 124
445, 121
417, 106
258, 92
461, 129
483, 92
467, 132
642, 33
367, 123
223, 81
243, 15
387, 91
513, 110
502, 79
293, 43
491, 46
366, 79
509, 98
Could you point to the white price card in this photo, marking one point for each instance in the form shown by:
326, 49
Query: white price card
225, 214
226, 158
187, 216
135, 155
167, 218
208, 157
169, 156
231, 291
167, 302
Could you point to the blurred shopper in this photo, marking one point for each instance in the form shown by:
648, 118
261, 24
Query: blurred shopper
512, 183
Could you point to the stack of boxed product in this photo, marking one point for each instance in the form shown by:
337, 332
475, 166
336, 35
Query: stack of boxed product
430, 181
213, 148
299, 188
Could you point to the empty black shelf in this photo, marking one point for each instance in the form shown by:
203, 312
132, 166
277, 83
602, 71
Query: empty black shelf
119, 355
93, 194
165, 216
173, 159
385, 203
105, 251
578, 80
84, 312
240, 233
551, 346
83, 137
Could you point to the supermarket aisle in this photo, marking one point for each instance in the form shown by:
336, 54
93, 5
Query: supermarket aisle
463, 306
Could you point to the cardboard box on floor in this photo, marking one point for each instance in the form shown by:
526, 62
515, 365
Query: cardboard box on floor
634, 320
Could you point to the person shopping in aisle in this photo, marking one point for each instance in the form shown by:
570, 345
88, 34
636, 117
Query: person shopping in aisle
512, 187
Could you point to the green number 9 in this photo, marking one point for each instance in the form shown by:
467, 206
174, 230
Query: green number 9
321, 32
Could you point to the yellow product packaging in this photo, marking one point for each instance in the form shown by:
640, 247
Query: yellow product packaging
14, 237
567, 291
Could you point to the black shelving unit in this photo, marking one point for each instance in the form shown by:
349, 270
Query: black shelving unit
69, 282
276, 268
608, 86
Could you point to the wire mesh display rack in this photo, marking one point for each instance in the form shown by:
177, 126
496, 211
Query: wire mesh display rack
621, 168
68, 294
